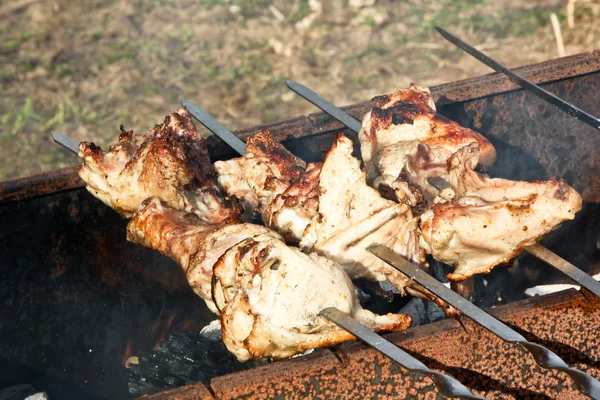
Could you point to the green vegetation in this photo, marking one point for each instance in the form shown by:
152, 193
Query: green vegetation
84, 69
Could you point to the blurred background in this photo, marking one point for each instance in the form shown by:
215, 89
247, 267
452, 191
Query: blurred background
85, 67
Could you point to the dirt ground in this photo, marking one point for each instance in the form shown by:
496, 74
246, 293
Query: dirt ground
85, 67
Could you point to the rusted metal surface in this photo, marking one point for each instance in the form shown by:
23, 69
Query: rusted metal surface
564, 322
41, 184
196, 391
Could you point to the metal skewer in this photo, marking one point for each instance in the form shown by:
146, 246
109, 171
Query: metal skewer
536, 250
66, 142
524, 83
215, 127
543, 357
447, 385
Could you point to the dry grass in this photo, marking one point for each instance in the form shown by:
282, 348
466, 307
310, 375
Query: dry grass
85, 67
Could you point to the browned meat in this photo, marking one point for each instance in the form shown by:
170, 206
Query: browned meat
170, 162
268, 294
392, 132
291, 211
490, 220
353, 216
264, 172
273, 184
192, 243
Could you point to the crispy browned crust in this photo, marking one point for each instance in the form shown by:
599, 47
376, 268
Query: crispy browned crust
404, 106
176, 234
302, 195
262, 144
170, 162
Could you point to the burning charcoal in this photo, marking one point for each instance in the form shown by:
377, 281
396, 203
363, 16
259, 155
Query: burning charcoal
417, 311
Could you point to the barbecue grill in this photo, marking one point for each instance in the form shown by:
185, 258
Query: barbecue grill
78, 299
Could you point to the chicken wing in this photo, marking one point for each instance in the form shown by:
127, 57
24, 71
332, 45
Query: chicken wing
170, 162
257, 178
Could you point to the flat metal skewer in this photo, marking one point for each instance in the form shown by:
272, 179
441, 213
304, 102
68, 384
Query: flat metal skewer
215, 127
524, 83
536, 250
543, 357
336, 112
66, 142
447, 385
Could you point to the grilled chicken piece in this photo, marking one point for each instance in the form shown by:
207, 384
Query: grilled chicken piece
192, 243
274, 185
490, 220
269, 296
292, 210
170, 162
353, 216
391, 134
257, 178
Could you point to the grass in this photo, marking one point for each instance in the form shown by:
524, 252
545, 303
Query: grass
87, 69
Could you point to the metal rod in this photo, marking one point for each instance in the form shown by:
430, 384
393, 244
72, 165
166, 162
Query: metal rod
215, 127
447, 385
543, 357
547, 256
337, 113
66, 142
524, 83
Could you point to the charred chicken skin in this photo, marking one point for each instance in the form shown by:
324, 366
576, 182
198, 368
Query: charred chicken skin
267, 293
171, 162
392, 132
